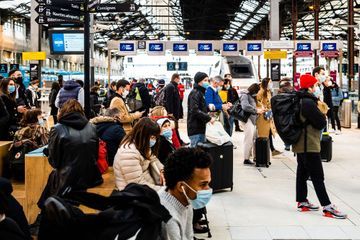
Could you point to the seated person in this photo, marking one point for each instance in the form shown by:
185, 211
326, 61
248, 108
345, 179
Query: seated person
166, 146
13, 223
135, 160
160, 112
110, 130
187, 177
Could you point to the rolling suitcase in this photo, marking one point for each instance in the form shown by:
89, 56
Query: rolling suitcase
326, 148
222, 165
262, 152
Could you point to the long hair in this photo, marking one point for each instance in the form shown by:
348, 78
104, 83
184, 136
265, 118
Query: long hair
4, 84
71, 106
253, 89
264, 86
30, 117
140, 136
56, 86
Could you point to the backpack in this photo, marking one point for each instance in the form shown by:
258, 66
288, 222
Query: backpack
134, 100
160, 98
18, 150
286, 114
102, 161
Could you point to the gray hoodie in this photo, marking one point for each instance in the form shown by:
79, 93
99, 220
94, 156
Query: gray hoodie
248, 104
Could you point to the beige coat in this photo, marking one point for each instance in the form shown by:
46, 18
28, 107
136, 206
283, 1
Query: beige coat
264, 126
126, 118
131, 167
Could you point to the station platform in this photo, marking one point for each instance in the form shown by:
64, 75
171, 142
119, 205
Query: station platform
262, 204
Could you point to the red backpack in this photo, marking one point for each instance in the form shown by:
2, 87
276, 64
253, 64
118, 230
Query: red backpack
102, 157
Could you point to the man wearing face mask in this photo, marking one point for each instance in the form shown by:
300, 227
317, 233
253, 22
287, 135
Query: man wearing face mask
21, 100
197, 112
308, 151
187, 176
320, 75
126, 118
33, 93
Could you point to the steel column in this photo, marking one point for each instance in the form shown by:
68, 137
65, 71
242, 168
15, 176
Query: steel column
294, 21
87, 58
316, 30
350, 38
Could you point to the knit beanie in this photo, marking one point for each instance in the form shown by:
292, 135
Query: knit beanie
307, 81
199, 76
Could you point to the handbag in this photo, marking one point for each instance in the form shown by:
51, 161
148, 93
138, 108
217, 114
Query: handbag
238, 113
216, 134
155, 172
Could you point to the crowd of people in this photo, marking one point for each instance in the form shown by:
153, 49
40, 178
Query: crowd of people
144, 146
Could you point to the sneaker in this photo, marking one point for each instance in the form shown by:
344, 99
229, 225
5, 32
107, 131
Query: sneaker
332, 212
287, 148
307, 206
331, 131
248, 162
234, 146
276, 152
337, 132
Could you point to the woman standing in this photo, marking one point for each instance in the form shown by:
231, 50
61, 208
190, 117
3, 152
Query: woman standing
337, 97
55, 88
135, 160
248, 104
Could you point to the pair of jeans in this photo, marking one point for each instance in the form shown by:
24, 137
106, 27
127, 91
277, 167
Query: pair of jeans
196, 139
309, 164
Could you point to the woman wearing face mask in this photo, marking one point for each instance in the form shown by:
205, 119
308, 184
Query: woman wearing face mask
166, 146
264, 123
135, 160
248, 104
33, 93
8, 94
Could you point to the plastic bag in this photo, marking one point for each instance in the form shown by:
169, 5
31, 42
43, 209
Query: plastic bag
216, 134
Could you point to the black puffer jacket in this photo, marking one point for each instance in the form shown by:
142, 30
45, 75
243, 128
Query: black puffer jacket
197, 112
172, 99
73, 152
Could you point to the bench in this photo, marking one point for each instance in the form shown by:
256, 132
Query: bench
37, 170
4, 151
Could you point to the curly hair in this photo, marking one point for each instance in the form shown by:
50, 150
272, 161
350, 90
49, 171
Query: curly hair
181, 164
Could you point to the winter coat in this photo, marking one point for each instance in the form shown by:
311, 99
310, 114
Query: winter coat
145, 97
126, 118
4, 121
264, 126
131, 167
213, 97
94, 102
109, 96
52, 99
73, 152
71, 90
172, 100
327, 96
12, 123
197, 112
316, 120
248, 104
33, 96
165, 149
109, 130
36, 133
337, 96
181, 89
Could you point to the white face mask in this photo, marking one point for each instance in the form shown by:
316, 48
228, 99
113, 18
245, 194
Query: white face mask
125, 93
329, 84
322, 78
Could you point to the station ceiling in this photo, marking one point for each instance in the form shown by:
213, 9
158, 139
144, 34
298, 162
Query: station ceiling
208, 19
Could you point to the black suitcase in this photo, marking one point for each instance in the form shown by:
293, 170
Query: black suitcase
222, 165
326, 148
262, 152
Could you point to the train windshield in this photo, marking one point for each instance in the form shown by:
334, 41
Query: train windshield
241, 71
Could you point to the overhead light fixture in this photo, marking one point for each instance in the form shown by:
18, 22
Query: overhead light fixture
221, 30
311, 7
187, 33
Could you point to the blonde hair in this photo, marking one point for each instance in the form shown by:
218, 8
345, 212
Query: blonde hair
158, 111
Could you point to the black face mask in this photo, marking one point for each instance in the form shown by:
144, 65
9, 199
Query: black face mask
19, 80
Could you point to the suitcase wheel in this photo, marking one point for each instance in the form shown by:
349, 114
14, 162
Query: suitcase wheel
267, 166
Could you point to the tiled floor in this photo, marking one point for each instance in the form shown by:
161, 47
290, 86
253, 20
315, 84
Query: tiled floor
262, 204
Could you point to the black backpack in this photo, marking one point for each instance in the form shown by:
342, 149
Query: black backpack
160, 98
286, 113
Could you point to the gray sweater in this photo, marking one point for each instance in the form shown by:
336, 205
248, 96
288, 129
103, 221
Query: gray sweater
179, 227
248, 104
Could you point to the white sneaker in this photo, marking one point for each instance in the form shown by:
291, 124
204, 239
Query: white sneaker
337, 132
332, 131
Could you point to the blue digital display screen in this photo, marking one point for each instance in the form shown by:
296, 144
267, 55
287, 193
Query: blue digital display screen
180, 47
329, 47
254, 47
230, 47
156, 47
127, 47
205, 47
303, 47
67, 42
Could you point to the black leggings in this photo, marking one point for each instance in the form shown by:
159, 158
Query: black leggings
336, 116
330, 115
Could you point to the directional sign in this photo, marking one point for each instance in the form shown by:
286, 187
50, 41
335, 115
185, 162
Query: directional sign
3, 68
177, 66
58, 2
180, 47
113, 7
14, 66
34, 55
34, 71
51, 20
42, 9
230, 47
329, 47
275, 71
303, 47
127, 47
67, 15
275, 55
254, 47
156, 47
205, 47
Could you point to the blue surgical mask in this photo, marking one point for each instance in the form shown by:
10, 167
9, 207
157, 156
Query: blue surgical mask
317, 92
167, 133
205, 85
202, 197
11, 88
152, 142
41, 122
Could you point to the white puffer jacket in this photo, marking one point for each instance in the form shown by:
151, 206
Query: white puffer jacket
131, 167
